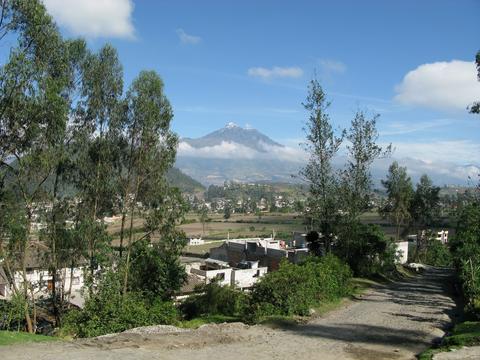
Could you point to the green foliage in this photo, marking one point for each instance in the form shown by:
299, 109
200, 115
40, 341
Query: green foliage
107, 311
424, 206
322, 144
466, 253
227, 212
363, 150
182, 181
366, 249
12, 313
399, 195
437, 254
154, 271
214, 300
295, 289
463, 334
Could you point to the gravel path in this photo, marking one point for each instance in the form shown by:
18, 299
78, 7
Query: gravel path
395, 321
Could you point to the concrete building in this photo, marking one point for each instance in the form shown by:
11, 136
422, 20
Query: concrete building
268, 252
244, 275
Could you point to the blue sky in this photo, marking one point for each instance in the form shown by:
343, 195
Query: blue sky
250, 62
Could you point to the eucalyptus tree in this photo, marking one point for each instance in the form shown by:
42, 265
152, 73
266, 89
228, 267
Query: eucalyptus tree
399, 196
150, 153
33, 119
95, 146
322, 145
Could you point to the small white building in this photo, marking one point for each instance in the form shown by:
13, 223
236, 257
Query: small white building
41, 282
196, 241
402, 252
243, 277
442, 236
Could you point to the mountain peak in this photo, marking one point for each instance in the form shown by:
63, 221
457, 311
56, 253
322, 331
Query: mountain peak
232, 133
231, 125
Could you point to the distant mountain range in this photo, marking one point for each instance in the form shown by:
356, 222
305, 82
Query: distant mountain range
238, 154
246, 155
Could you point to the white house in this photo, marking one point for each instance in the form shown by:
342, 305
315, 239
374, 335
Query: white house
196, 241
244, 276
41, 282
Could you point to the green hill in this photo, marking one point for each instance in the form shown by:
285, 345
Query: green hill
184, 182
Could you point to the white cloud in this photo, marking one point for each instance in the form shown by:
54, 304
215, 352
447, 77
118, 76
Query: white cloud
94, 18
187, 38
453, 151
440, 85
232, 150
225, 150
332, 66
275, 72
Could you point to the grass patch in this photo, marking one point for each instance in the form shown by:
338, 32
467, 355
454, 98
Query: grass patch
360, 285
215, 319
14, 337
463, 334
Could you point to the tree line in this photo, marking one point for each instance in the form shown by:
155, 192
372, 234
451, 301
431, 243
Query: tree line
66, 122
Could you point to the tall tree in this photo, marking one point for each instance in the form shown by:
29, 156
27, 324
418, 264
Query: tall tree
96, 153
399, 196
33, 119
322, 145
363, 150
150, 154
425, 204
203, 213
356, 184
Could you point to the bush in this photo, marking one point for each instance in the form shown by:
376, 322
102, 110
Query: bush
465, 247
107, 311
295, 289
437, 254
214, 300
366, 249
12, 313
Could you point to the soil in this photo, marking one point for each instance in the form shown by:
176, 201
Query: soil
393, 321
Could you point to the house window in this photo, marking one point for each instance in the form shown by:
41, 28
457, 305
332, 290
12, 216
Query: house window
76, 280
220, 276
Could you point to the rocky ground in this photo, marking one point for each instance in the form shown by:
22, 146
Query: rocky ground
394, 321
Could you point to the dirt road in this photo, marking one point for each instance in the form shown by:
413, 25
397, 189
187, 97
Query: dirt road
395, 321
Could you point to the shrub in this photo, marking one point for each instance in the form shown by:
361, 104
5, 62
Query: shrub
465, 247
437, 254
107, 311
12, 313
366, 249
214, 300
295, 289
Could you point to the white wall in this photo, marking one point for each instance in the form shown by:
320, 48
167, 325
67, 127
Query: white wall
245, 278
402, 251
211, 275
38, 279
